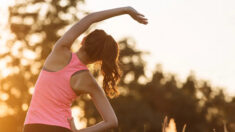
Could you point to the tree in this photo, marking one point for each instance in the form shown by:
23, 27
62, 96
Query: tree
35, 26
142, 106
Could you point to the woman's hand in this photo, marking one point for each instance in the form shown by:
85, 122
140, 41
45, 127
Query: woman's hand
136, 15
72, 125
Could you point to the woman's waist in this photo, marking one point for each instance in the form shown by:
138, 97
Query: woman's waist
42, 100
49, 109
48, 116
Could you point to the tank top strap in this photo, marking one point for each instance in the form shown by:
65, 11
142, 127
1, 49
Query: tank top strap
75, 67
77, 62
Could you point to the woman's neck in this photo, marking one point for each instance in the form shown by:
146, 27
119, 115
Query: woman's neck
81, 54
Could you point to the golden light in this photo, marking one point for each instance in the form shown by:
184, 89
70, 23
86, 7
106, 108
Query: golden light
35, 38
15, 48
4, 96
4, 31
172, 126
24, 107
29, 54
5, 110
77, 113
15, 92
31, 90
4, 14
92, 121
6, 3
5, 72
129, 77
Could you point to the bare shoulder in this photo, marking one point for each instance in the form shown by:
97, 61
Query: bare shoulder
57, 59
61, 52
84, 82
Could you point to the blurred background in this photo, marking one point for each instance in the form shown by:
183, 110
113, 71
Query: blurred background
180, 65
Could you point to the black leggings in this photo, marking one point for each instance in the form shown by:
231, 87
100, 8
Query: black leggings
44, 128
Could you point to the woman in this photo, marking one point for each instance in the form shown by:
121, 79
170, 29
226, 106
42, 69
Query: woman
65, 76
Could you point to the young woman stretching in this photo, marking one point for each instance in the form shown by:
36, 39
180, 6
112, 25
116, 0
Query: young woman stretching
65, 76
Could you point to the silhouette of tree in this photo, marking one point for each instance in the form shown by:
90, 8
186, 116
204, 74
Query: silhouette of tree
142, 106
35, 26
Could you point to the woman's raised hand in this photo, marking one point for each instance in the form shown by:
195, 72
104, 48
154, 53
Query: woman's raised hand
136, 15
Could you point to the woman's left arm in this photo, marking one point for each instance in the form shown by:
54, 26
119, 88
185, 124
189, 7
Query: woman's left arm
77, 29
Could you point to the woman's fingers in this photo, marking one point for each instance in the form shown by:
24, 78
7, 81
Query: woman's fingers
72, 125
141, 14
142, 19
137, 16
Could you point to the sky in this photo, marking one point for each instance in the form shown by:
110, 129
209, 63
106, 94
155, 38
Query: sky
182, 35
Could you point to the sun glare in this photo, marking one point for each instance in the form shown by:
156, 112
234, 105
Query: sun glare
5, 110
172, 126
77, 113
3, 10
5, 3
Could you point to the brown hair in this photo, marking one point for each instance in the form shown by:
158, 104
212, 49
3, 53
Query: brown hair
102, 47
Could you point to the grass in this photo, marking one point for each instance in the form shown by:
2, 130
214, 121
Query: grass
165, 126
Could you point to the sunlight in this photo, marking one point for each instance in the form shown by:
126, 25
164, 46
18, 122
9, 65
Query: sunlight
15, 48
24, 107
5, 110
16, 92
4, 31
5, 3
29, 54
129, 77
31, 90
172, 126
77, 113
3, 11
5, 72
36, 38
4, 96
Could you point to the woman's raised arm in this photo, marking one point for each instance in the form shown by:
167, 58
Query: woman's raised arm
77, 29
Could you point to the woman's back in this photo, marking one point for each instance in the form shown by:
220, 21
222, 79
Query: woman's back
53, 95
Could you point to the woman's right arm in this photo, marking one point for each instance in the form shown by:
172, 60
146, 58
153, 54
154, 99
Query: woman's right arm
87, 84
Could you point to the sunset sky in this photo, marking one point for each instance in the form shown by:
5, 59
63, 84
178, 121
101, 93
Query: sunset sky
182, 35
197, 35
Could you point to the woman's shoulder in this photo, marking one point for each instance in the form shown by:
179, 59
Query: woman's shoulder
57, 60
84, 82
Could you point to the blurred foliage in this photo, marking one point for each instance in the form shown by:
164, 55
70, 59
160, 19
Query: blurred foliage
142, 106
35, 26
144, 100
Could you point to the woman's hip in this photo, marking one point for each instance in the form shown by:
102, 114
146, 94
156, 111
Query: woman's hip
44, 128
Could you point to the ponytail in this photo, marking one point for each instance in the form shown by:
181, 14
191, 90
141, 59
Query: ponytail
103, 48
110, 68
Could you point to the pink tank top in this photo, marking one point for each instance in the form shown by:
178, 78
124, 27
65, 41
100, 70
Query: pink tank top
53, 96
